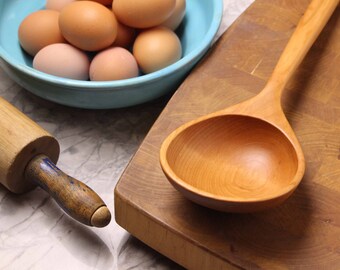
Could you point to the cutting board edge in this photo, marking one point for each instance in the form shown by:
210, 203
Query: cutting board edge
164, 239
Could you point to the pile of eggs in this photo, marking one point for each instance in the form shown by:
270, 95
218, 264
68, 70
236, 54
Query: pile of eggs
103, 40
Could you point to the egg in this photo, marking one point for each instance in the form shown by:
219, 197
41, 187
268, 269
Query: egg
142, 13
156, 48
57, 4
38, 30
88, 25
125, 36
103, 2
177, 15
113, 64
63, 60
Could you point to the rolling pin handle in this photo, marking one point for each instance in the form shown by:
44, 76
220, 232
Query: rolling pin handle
74, 197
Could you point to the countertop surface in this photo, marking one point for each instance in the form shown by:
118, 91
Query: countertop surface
96, 146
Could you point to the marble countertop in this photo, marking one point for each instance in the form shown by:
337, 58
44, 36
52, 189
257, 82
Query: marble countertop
96, 146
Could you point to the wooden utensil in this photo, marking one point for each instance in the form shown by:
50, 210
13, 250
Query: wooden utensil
28, 157
246, 158
302, 232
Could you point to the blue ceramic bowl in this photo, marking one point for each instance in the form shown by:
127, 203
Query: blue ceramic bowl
196, 33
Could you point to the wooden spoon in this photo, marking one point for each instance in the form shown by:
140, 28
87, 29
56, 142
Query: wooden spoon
246, 157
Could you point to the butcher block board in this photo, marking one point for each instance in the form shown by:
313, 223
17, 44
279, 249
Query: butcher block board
302, 233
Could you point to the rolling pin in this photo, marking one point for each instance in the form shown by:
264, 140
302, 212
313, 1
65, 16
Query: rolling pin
28, 155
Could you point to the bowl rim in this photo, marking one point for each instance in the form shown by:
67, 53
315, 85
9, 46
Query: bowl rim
111, 85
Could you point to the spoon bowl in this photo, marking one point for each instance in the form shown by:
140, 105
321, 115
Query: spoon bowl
225, 160
246, 158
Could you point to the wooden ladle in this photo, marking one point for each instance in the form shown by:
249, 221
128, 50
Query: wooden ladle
246, 157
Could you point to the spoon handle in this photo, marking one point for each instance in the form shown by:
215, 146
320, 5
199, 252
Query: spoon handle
306, 32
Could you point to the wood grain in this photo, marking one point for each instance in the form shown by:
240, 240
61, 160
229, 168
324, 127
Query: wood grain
74, 197
28, 155
246, 157
21, 139
302, 233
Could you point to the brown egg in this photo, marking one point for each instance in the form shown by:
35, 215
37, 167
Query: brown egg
177, 15
57, 4
156, 48
125, 36
38, 30
63, 60
103, 2
142, 13
88, 25
113, 64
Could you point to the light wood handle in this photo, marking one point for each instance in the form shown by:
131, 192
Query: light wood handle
306, 32
74, 197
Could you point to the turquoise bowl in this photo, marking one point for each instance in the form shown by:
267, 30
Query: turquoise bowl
196, 33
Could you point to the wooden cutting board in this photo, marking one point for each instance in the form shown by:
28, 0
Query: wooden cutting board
302, 233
